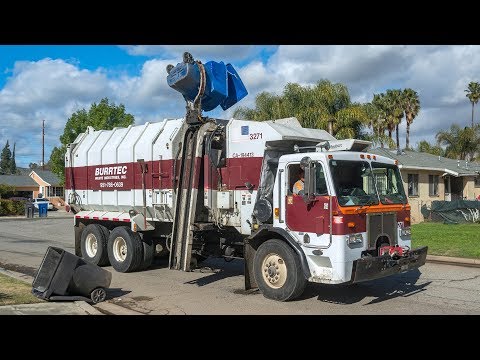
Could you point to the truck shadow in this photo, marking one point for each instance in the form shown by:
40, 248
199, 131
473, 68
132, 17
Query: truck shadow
115, 293
217, 269
400, 285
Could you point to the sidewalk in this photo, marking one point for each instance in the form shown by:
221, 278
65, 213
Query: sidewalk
58, 214
60, 307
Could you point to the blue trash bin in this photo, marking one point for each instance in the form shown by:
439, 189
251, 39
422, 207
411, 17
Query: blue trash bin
42, 209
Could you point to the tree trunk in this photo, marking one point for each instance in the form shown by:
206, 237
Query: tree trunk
398, 140
389, 133
407, 140
330, 127
473, 105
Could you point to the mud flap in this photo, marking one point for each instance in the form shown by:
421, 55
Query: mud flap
249, 254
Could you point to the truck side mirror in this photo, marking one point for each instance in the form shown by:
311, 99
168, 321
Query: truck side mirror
310, 183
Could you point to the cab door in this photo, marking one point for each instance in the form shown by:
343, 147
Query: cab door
309, 223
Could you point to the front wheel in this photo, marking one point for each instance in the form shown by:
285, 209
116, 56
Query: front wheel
278, 271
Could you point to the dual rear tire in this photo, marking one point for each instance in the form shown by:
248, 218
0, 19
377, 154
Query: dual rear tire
125, 250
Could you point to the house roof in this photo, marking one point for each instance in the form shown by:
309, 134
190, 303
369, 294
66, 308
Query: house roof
48, 177
419, 160
17, 180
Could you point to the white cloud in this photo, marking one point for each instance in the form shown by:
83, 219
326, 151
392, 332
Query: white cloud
52, 89
201, 52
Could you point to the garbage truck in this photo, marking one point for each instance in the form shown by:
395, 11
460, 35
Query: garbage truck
194, 187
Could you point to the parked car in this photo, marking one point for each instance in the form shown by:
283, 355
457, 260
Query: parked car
42, 201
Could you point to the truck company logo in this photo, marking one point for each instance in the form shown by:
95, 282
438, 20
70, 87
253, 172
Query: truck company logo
111, 173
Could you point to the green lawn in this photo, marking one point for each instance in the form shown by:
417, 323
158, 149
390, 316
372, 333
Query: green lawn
13, 292
462, 240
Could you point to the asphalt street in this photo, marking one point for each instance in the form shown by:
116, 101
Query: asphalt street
217, 288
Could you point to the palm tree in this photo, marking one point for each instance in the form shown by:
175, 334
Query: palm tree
426, 147
460, 143
394, 102
325, 106
376, 111
411, 106
473, 94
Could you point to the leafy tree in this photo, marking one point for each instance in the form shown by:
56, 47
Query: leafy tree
6, 159
104, 115
426, 147
33, 166
325, 106
460, 143
6, 191
13, 165
411, 107
473, 94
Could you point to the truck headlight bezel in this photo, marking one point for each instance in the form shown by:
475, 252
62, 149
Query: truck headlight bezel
354, 239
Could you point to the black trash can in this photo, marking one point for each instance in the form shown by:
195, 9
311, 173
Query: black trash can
29, 210
64, 276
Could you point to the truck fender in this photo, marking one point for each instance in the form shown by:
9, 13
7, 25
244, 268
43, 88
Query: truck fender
264, 233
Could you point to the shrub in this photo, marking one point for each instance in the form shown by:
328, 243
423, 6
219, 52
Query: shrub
8, 207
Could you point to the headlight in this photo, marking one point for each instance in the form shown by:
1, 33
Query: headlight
354, 239
406, 231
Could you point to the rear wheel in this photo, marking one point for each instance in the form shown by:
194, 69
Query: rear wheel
278, 271
93, 244
125, 250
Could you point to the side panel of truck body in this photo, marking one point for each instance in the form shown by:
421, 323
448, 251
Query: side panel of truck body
107, 176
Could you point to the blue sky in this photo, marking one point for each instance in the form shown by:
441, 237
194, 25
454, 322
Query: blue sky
51, 82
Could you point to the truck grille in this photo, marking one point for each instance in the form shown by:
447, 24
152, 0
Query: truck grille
381, 225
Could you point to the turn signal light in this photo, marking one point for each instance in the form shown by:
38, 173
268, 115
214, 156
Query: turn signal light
277, 213
351, 224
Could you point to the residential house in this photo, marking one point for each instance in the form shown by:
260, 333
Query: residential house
35, 183
23, 185
428, 177
49, 186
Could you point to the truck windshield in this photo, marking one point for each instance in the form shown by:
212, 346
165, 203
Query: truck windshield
389, 183
354, 182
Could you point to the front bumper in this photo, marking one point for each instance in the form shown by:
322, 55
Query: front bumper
377, 267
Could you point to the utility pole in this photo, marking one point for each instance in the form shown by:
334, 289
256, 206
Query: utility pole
43, 144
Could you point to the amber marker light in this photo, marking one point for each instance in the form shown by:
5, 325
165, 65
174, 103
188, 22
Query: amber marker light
351, 224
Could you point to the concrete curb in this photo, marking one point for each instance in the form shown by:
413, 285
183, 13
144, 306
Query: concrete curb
89, 309
447, 260
116, 309
17, 275
7, 218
